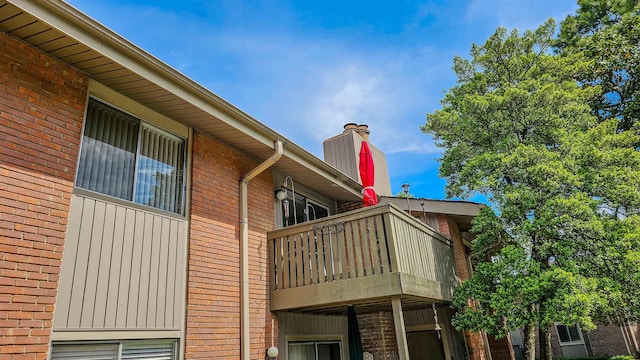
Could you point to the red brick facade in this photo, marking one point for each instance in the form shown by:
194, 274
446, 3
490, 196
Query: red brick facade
448, 228
213, 299
41, 109
378, 334
344, 206
606, 340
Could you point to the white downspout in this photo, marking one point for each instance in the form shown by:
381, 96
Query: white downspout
244, 248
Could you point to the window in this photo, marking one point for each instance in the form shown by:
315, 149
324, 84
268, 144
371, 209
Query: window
326, 350
125, 157
568, 333
129, 349
305, 210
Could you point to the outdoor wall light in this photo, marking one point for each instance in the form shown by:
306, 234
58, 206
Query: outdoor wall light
281, 194
272, 353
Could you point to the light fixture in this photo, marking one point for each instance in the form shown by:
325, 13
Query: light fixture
293, 190
405, 189
424, 213
281, 194
272, 353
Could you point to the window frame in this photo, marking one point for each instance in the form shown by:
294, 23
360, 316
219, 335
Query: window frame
571, 341
143, 120
315, 344
119, 345
306, 200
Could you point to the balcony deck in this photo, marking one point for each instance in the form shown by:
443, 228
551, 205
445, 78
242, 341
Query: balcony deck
360, 257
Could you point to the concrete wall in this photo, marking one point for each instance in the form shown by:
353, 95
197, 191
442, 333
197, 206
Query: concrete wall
41, 110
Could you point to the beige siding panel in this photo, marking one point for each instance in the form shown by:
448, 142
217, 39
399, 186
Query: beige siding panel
297, 324
180, 288
104, 268
93, 267
145, 269
340, 152
111, 311
123, 269
306, 327
126, 270
154, 272
136, 262
161, 291
81, 262
68, 264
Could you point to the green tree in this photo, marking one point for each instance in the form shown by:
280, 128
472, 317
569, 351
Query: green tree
608, 32
512, 129
609, 167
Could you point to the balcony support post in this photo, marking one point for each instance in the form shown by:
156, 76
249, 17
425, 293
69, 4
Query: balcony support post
401, 332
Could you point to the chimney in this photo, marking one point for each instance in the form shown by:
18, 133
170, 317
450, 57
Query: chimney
349, 127
363, 130
343, 152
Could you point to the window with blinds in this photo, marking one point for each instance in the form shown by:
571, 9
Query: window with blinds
125, 157
129, 349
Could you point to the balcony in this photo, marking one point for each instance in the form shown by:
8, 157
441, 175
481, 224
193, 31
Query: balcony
361, 257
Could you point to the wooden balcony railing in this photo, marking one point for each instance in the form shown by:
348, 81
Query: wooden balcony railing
362, 254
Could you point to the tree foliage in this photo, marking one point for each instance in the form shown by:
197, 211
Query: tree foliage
608, 32
560, 242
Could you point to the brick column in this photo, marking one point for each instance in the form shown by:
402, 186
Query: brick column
378, 334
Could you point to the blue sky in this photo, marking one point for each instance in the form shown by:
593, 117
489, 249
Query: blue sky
305, 68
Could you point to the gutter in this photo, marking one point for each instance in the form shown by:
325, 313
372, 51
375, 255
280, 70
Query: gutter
245, 348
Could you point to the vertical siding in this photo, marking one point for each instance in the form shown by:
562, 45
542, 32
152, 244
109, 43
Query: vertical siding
343, 152
421, 254
307, 327
340, 152
120, 269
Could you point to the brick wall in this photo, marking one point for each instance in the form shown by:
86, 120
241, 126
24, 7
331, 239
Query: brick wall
344, 206
448, 228
41, 109
378, 334
213, 295
607, 340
